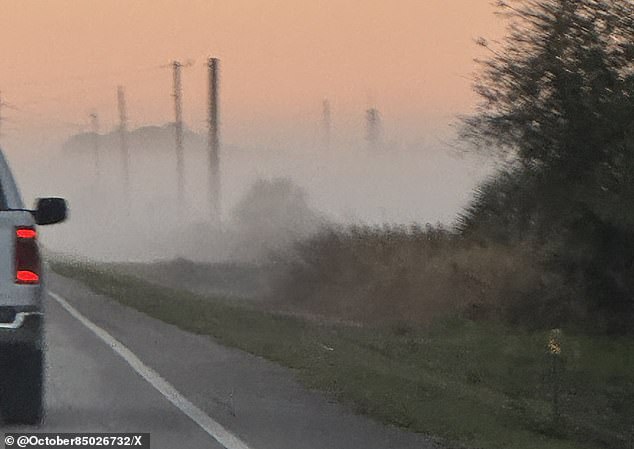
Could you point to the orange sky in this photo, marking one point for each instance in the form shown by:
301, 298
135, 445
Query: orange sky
62, 59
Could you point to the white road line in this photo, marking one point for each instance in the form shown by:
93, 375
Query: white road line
213, 428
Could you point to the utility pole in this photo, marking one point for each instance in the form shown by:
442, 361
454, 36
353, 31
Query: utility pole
213, 66
94, 123
326, 124
1, 117
123, 142
178, 128
4, 105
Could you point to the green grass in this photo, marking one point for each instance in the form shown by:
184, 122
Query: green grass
471, 384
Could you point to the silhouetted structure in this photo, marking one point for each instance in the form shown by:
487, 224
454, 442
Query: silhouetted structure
373, 133
214, 141
94, 124
178, 130
1, 116
123, 142
326, 124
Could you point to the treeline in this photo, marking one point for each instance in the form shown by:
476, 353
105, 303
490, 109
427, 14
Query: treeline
558, 100
548, 240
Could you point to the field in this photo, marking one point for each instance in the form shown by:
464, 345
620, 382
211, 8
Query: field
470, 384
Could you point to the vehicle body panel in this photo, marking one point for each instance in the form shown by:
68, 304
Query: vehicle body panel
24, 302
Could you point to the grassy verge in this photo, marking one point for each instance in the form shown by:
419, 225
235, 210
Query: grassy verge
472, 384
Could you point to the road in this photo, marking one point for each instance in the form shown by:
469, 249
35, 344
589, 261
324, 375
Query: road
113, 369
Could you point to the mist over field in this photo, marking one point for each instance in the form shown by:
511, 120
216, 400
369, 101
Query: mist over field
411, 61
324, 224
422, 182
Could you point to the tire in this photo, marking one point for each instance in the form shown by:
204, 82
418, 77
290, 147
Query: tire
21, 385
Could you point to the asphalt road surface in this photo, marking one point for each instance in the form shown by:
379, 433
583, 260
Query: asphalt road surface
113, 369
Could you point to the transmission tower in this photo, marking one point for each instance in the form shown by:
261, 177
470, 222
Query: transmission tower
213, 65
123, 142
326, 124
373, 128
94, 124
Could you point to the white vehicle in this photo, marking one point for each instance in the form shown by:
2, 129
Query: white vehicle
21, 295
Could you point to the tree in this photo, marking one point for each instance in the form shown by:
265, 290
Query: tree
560, 88
273, 215
558, 100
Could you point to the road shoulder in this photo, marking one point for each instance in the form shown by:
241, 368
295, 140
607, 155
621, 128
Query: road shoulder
258, 400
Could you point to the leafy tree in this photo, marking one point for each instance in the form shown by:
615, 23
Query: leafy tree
558, 100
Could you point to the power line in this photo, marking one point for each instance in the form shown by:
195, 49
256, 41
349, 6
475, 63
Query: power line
101, 76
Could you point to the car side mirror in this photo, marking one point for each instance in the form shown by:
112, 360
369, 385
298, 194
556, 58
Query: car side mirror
50, 210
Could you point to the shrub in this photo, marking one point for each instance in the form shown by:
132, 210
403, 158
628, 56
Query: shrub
415, 275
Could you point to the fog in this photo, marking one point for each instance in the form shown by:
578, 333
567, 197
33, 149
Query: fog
423, 181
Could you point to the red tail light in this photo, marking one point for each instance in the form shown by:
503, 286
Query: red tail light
27, 257
25, 233
27, 277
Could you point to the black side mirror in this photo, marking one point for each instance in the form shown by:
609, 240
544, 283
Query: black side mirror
50, 210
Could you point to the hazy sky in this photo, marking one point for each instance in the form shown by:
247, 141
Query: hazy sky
62, 59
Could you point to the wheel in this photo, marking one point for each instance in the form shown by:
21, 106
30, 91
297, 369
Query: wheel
21, 385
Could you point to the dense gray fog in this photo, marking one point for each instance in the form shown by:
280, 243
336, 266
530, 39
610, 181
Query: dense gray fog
424, 182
